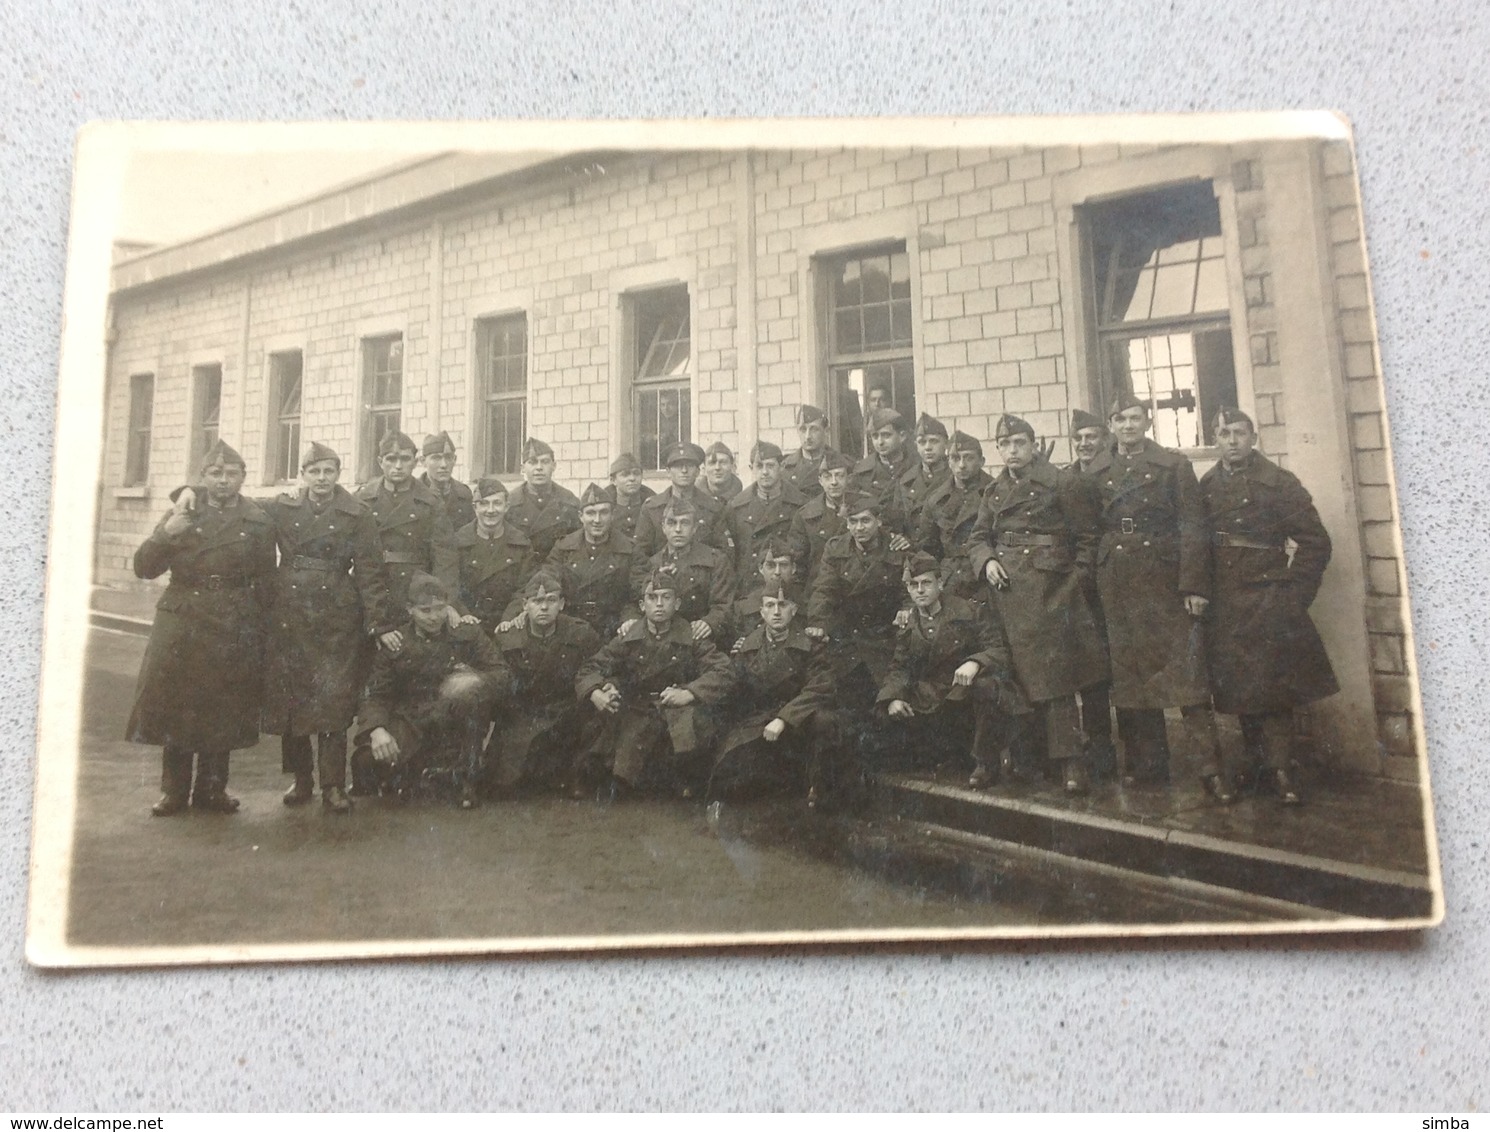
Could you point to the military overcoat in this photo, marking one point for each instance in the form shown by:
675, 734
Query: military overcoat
602, 581
545, 518
537, 691
402, 693
492, 570
752, 521
414, 536
705, 583
1270, 552
802, 471
875, 477
626, 513
812, 526
710, 530
200, 685
913, 488
460, 507
1154, 549
929, 650
791, 681
1042, 528
945, 528
329, 598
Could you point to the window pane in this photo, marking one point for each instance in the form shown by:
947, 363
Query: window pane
1169, 230
661, 326
1185, 378
383, 361
900, 276
877, 327
900, 322
849, 292
1174, 290
1210, 289
849, 334
662, 420
289, 448
504, 427
141, 414
877, 279
504, 354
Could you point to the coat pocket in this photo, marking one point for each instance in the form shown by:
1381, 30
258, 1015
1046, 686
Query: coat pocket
1052, 559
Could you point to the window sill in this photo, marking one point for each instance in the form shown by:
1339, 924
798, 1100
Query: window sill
135, 491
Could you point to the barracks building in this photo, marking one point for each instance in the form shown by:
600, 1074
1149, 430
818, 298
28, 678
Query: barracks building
619, 301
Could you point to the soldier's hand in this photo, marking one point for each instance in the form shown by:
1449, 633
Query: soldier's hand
393, 641
675, 697
186, 500
997, 576
625, 626
899, 542
966, 673
606, 699
517, 622
1195, 605
899, 709
817, 634
702, 629
177, 523
773, 730
384, 745
470, 619
902, 619
737, 646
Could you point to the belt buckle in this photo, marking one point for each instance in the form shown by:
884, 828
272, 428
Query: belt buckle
1127, 526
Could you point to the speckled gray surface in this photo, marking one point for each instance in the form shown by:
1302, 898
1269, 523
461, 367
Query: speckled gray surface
1333, 1024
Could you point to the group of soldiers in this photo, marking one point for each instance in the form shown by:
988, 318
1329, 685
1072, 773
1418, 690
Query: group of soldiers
908, 609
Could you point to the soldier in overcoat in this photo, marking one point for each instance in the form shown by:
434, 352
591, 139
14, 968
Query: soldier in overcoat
801, 468
438, 452
602, 569
879, 472
1270, 553
1154, 578
951, 682
718, 479
495, 557
1034, 539
540, 508
948, 517
200, 685
821, 517
925, 474
414, 532
538, 722
649, 693
705, 577
427, 706
783, 730
778, 566
627, 492
763, 509
329, 600
682, 461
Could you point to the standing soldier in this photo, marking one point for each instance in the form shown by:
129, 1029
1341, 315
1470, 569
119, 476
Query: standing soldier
879, 472
200, 683
537, 719
651, 688
924, 475
1265, 653
951, 680
949, 515
601, 568
439, 461
764, 509
682, 461
705, 577
1090, 439
538, 507
414, 533
1154, 577
627, 492
321, 618
718, 480
495, 557
821, 517
801, 468
1034, 539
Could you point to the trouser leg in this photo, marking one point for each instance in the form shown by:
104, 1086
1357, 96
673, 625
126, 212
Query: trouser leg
992, 732
294, 755
212, 772
331, 758
1200, 731
1096, 721
175, 772
1275, 738
639, 737
1145, 744
1063, 736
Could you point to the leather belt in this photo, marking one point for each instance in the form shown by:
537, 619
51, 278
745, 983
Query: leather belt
1126, 526
221, 582
403, 558
1225, 538
1025, 538
305, 562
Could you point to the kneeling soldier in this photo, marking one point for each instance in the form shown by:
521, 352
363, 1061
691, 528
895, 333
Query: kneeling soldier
647, 687
427, 705
537, 720
952, 667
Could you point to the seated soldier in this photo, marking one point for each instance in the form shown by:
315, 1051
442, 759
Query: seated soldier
651, 688
777, 564
426, 706
951, 674
627, 492
537, 720
782, 726
495, 556
705, 577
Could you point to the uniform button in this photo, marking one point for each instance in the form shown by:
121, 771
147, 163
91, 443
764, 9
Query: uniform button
1146, 543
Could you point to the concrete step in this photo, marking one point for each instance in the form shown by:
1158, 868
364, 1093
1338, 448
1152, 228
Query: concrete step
1155, 850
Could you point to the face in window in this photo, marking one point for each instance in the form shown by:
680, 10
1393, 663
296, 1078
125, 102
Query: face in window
813, 435
1236, 442
678, 530
1088, 442
875, 398
966, 464
539, 472
833, 481
440, 465
491, 510
1130, 425
543, 608
887, 442
781, 569
628, 483
683, 473
658, 606
1018, 451
767, 473
777, 612
932, 450
863, 526
595, 519
320, 478
223, 481
718, 467
398, 467
925, 590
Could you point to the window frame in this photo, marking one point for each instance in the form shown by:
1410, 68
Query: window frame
371, 409
636, 354
483, 327
197, 445
139, 436
281, 460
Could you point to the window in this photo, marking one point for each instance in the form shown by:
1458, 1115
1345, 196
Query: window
868, 335
141, 413
662, 393
286, 377
206, 384
382, 391
1158, 277
502, 373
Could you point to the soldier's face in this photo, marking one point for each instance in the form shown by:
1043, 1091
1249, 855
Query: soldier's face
1236, 442
440, 465
543, 608
875, 399
1018, 450
429, 615
925, 590
491, 511
718, 467
540, 471
812, 434
223, 481
1130, 425
863, 526
320, 478
682, 473
768, 473
777, 612
679, 529
834, 480
627, 482
932, 450
887, 441
782, 569
596, 520
966, 464
1088, 442
398, 467
658, 606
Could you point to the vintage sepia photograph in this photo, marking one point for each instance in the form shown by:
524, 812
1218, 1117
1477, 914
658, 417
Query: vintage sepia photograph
521, 537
